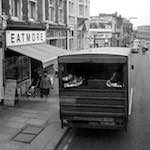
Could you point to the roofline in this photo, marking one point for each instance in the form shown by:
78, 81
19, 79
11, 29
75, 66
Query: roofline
116, 51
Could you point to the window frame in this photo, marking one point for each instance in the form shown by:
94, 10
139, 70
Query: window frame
19, 11
61, 12
52, 6
29, 10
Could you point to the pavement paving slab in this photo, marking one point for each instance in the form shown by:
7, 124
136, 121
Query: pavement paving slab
18, 119
32, 129
25, 138
10, 146
4, 137
29, 115
17, 125
37, 122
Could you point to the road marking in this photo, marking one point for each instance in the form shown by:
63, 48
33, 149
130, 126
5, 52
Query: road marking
130, 103
69, 141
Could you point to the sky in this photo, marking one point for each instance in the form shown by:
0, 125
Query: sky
139, 9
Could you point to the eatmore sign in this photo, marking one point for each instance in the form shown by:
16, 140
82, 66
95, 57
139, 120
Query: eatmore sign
14, 38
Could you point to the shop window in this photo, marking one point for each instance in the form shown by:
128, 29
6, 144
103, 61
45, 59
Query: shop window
32, 7
17, 67
16, 9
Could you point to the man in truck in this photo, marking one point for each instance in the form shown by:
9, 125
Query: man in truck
116, 79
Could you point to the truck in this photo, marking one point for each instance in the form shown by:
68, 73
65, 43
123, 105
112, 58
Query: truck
96, 88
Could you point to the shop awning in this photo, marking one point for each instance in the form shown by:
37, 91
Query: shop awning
43, 52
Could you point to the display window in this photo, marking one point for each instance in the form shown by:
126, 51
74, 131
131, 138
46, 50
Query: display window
17, 66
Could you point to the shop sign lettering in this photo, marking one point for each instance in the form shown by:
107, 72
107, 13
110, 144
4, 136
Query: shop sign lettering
14, 38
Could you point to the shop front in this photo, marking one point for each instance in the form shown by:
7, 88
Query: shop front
25, 51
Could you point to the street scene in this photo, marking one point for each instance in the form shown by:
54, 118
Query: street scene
74, 75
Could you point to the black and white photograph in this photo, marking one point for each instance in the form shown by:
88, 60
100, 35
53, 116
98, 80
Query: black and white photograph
74, 75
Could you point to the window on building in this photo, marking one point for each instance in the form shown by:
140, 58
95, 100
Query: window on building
32, 9
60, 11
15, 8
81, 10
81, 1
71, 20
51, 2
86, 11
60, 3
60, 15
51, 16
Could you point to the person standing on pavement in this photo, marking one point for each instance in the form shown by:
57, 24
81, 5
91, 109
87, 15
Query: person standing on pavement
52, 74
45, 85
35, 77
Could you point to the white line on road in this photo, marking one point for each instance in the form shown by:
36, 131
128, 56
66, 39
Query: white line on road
67, 144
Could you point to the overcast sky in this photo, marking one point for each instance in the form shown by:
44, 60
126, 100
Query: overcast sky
127, 9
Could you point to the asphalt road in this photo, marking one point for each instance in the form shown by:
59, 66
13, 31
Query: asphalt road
137, 136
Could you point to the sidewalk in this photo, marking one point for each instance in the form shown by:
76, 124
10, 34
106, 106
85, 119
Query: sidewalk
33, 114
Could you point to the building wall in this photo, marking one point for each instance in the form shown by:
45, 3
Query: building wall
102, 29
23, 21
56, 28
119, 28
78, 23
1, 61
56, 31
143, 32
145, 28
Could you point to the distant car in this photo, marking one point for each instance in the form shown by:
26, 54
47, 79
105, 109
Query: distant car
144, 49
134, 50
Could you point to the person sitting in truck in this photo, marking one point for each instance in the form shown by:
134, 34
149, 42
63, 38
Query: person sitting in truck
115, 80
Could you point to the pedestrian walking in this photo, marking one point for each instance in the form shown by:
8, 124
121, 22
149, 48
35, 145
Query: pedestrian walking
45, 86
51, 74
34, 84
35, 77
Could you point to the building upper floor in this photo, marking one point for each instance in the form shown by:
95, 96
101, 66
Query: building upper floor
109, 23
78, 9
36, 11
